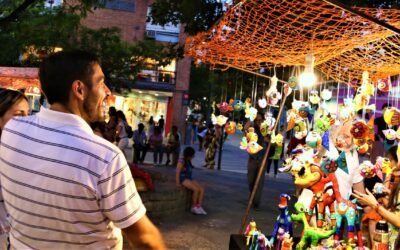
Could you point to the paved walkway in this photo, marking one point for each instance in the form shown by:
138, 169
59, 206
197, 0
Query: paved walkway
225, 201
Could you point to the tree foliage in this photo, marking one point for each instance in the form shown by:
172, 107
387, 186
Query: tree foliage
39, 30
196, 15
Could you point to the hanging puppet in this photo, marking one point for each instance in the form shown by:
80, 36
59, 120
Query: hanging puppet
273, 95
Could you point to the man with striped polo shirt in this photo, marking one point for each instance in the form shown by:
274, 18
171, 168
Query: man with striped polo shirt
63, 186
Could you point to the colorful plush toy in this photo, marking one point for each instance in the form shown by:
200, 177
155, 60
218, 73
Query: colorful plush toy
367, 169
262, 103
293, 81
277, 139
385, 85
314, 98
313, 140
230, 127
251, 147
218, 120
283, 221
223, 107
251, 113
270, 120
390, 134
392, 116
311, 234
273, 96
264, 128
348, 210
359, 130
326, 94
384, 165
250, 229
230, 105
237, 105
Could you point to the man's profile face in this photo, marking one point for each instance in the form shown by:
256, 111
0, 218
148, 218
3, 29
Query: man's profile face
94, 103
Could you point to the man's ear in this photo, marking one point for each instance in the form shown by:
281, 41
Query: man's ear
79, 90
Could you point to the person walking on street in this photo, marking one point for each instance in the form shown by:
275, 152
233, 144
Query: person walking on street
121, 135
210, 144
65, 187
111, 125
161, 124
173, 146
255, 160
152, 124
139, 144
155, 143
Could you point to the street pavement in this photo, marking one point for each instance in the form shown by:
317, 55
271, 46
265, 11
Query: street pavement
226, 198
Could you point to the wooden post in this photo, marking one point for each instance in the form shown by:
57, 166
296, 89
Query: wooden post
261, 171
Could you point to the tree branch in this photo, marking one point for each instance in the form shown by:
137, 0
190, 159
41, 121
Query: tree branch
16, 13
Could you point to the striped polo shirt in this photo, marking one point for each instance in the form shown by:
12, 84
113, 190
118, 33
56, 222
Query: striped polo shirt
63, 186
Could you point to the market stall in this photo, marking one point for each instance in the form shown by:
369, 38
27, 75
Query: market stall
356, 50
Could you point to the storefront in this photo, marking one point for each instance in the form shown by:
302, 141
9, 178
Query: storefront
138, 106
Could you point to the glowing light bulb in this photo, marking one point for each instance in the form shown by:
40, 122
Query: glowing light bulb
307, 79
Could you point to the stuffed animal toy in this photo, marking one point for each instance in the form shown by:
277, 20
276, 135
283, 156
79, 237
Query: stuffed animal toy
390, 134
238, 105
273, 96
223, 107
262, 103
392, 116
251, 113
314, 98
219, 120
385, 85
230, 127
313, 140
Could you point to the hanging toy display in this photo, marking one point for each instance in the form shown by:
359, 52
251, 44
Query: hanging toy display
300, 129
273, 96
262, 103
314, 98
250, 229
326, 94
238, 105
384, 165
384, 85
218, 120
264, 128
277, 139
392, 116
251, 147
230, 127
359, 130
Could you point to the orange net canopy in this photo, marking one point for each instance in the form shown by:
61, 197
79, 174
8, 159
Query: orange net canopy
256, 34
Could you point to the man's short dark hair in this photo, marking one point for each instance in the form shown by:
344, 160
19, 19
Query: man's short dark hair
386, 105
58, 71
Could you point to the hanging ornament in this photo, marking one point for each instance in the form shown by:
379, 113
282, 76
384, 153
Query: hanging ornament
390, 134
328, 165
341, 162
264, 128
251, 135
287, 90
366, 88
262, 103
363, 149
251, 147
293, 81
230, 105
326, 94
314, 98
383, 164
313, 140
230, 127
270, 120
367, 169
277, 139
223, 107
385, 85
392, 116
359, 130
273, 96
237, 105
218, 120
250, 113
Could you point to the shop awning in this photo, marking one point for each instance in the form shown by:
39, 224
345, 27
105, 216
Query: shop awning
19, 78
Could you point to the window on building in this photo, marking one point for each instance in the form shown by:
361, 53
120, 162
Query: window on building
124, 5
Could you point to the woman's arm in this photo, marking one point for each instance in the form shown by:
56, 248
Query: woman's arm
178, 173
371, 201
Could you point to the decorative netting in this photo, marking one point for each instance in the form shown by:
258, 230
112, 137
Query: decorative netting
257, 34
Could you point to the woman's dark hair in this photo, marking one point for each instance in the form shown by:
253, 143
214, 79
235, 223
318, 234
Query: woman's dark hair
121, 115
151, 121
392, 153
8, 98
58, 71
188, 152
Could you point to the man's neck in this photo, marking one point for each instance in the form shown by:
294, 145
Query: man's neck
62, 108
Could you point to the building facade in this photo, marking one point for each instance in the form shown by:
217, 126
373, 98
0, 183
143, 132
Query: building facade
157, 90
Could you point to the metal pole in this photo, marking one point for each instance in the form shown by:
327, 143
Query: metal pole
264, 161
221, 141
363, 15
